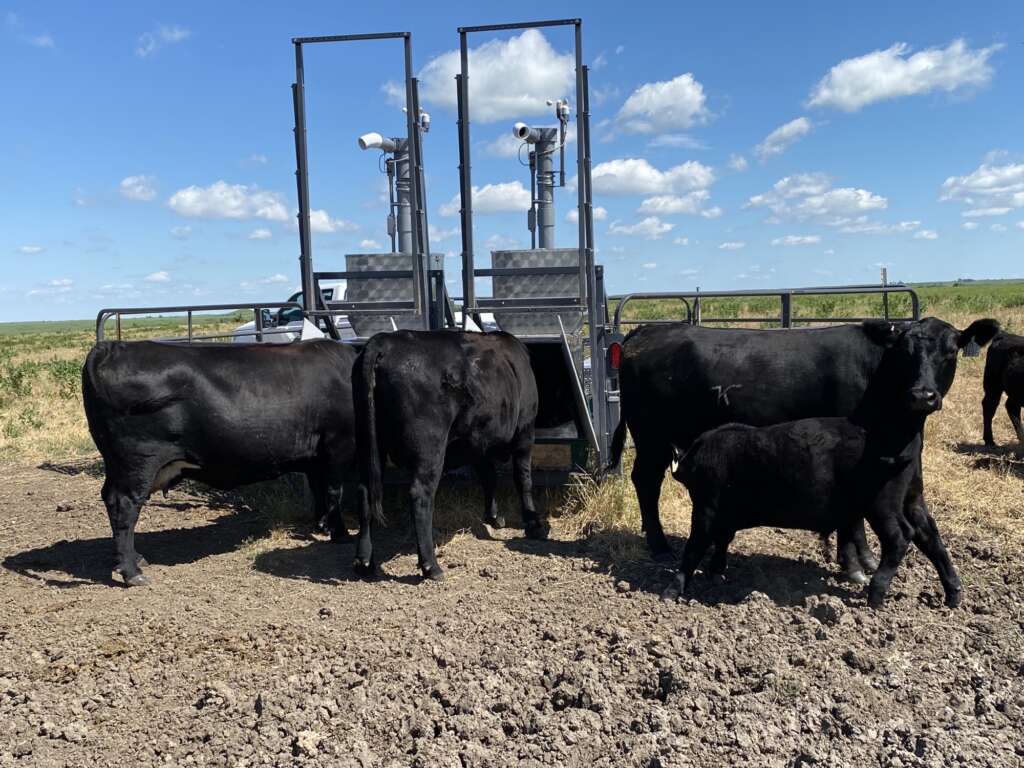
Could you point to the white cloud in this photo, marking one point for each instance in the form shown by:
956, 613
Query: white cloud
732, 245
600, 214
864, 225
811, 195
30, 250
977, 212
158, 277
650, 228
261, 233
369, 243
988, 186
439, 234
998, 227
493, 198
650, 265
636, 176
138, 187
181, 233
678, 140
926, 234
42, 41
829, 251
738, 163
53, 288
681, 241
880, 75
797, 240
149, 43
498, 242
665, 106
599, 61
783, 137
321, 221
666, 205
970, 225
258, 159
712, 213
507, 78
1020, 225
221, 200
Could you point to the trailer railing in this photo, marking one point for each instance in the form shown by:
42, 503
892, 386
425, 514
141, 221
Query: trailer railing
259, 331
785, 318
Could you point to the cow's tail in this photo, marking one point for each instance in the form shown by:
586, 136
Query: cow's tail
366, 418
618, 443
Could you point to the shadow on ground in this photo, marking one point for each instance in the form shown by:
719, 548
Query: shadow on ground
1005, 458
91, 466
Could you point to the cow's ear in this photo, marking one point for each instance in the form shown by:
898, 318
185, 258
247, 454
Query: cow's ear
980, 331
883, 332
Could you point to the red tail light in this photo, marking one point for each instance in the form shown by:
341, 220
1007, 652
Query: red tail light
614, 355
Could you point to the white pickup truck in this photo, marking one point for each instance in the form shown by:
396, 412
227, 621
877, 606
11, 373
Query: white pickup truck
286, 325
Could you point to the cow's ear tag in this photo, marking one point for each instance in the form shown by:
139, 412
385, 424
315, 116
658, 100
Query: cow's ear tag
677, 456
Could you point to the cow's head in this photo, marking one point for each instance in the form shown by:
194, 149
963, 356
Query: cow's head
919, 362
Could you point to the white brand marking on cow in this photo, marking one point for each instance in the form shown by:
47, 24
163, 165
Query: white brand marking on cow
723, 392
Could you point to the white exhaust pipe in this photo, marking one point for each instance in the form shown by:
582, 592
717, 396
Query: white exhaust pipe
375, 141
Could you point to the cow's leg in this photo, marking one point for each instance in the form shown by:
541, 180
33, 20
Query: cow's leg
123, 511
364, 564
988, 411
426, 477
849, 553
522, 474
648, 472
720, 555
1013, 408
488, 476
895, 543
334, 490
317, 489
926, 537
696, 547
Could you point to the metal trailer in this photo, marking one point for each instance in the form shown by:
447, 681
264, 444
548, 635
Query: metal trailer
553, 299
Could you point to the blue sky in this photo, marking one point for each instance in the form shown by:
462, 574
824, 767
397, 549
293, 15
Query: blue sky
146, 151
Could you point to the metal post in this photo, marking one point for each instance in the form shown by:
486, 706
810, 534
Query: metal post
543, 153
258, 315
190, 326
419, 266
885, 294
302, 183
598, 385
786, 314
403, 187
465, 182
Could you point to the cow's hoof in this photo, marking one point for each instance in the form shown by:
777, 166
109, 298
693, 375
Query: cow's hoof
675, 590
496, 522
537, 531
365, 570
433, 573
140, 561
857, 577
953, 599
990, 443
138, 580
869, 563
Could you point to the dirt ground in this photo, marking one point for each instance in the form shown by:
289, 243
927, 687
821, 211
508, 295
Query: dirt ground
254, 648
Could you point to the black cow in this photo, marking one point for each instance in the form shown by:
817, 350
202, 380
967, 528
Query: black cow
678, 381
829, 474
1004, 372
226, 415
436, 399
